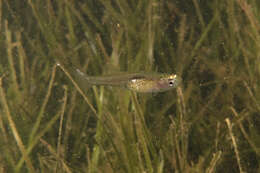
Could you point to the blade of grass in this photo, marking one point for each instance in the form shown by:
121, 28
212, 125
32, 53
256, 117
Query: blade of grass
252, 95
99, 131
69, 124
142, 133
214, 161
1, 15
184, 128
42, 110
69, 21
61, 124
9, 45
195, 2
14, 130
79, 90
254, 147
204, 34
92, 17
4, 136
36, 139
53, 152
22, 60
234, 145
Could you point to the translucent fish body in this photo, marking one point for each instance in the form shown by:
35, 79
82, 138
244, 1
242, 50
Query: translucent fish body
137, 82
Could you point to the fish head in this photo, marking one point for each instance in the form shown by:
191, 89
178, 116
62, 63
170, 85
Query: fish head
168, 82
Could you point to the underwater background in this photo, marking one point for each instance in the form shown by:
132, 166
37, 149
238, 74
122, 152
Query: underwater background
210, 123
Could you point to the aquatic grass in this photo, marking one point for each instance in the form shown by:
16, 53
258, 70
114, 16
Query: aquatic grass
43, 107
212, 45
242, 128
10, 47
235, 145
14, 128
36, 139
22, 60
59, 151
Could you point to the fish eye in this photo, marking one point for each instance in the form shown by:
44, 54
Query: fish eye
171, 83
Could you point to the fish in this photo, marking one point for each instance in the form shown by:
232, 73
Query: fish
137, 82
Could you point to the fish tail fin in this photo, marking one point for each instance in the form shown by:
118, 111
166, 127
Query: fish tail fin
78, 78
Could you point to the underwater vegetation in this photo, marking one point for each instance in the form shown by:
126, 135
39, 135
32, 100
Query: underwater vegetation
147, 86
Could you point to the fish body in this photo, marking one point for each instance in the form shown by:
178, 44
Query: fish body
137, 82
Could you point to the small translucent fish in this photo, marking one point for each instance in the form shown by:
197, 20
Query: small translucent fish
138, 82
